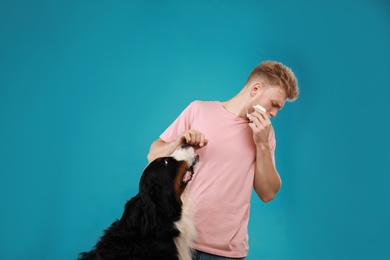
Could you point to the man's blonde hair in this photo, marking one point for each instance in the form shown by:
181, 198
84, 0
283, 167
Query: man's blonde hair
277, 74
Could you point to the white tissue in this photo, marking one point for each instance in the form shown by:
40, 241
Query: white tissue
258, 107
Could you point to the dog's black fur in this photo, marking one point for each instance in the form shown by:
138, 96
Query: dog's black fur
146, 229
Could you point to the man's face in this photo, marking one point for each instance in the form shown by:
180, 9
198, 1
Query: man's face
272, 98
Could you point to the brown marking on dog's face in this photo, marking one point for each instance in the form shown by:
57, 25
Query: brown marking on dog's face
179, 184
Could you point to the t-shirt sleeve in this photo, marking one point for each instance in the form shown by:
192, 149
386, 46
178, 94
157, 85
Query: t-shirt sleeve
182, 123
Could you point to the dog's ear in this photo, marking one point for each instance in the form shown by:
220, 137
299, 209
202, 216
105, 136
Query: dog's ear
148, 216
140, 214
147, 194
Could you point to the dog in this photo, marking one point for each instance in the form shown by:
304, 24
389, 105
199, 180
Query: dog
156, 222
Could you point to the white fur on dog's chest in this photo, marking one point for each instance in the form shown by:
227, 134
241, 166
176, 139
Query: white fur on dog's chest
187, 230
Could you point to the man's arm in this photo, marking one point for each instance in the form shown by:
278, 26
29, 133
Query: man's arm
267, 181
159, 148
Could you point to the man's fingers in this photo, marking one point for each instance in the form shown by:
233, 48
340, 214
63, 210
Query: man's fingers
193, 137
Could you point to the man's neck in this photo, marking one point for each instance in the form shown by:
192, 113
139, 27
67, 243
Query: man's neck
235, 106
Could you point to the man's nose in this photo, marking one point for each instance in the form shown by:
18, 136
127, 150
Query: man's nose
273, 112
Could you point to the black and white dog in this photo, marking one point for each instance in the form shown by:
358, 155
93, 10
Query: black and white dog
156, 223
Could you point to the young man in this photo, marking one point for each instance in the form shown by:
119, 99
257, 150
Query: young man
236, 145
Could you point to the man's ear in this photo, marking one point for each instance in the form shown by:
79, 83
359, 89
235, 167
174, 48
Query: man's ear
255, 88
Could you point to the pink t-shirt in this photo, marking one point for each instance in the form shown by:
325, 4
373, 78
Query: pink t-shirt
222, 185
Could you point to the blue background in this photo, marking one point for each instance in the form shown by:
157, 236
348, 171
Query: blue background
86, 86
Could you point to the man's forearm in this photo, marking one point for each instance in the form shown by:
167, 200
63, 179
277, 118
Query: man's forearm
266, 181
159, 148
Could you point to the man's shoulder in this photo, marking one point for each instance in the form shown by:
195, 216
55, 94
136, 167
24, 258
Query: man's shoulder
202, 103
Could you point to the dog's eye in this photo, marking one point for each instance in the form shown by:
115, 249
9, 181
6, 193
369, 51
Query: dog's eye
165, 162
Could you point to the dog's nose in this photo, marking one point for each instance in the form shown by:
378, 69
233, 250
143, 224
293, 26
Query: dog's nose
184, 145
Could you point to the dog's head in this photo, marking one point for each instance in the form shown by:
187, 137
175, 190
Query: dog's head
167, 176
